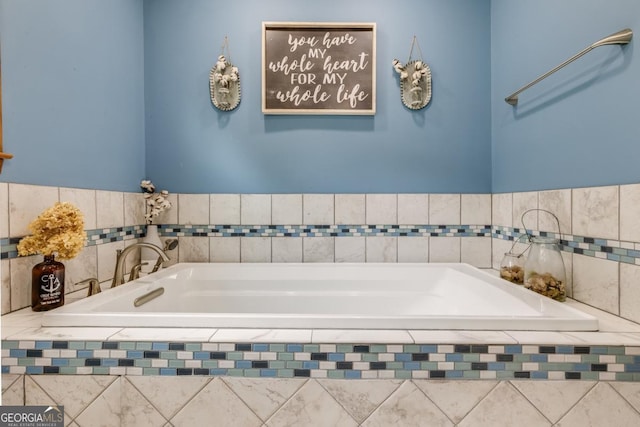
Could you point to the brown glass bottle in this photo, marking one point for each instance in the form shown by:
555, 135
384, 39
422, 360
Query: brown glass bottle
47, 284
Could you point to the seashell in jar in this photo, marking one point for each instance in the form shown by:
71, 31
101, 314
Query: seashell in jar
546, 284
512, 273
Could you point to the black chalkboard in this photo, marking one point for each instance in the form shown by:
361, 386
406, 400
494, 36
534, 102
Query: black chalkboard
318, 68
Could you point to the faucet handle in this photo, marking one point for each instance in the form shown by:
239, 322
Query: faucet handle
135, 271
94, 286
157, 265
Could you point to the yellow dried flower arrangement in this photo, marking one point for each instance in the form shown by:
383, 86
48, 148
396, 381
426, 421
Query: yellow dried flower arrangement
58, 229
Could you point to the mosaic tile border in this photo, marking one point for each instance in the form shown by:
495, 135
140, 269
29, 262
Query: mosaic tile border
8, 246
107, 235
340, 230
612, 250
336, 361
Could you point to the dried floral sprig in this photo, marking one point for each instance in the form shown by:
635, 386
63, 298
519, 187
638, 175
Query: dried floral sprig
400, 69
155, 203
221, 76
420, 70
57, 230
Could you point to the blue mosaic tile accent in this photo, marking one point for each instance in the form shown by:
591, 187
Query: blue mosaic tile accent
355, 361
613, 250
341, 230
108, 235
8, 246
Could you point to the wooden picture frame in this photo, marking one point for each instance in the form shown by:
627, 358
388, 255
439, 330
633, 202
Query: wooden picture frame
318, 68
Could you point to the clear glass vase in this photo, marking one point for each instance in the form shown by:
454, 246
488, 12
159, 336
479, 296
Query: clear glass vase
544, 271
512, 268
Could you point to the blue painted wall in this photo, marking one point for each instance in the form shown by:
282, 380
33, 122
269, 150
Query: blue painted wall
73, 92
194, 148
580, 126
73, 88
89, 85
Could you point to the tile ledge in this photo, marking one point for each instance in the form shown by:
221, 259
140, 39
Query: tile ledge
614, 330
607, 322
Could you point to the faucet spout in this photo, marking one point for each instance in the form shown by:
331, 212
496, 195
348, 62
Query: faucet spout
118, 274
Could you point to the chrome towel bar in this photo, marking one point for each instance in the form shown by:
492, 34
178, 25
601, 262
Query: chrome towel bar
621, 37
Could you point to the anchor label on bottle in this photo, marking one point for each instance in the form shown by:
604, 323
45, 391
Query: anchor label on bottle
50, 283
47, 285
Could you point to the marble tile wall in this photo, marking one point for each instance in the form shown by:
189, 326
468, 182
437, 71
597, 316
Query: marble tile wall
157, 401
330, 209
113, 211
103, 210
610, 214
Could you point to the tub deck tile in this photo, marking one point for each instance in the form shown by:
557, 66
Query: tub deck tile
10, 331
63, 334
302, 336
462, 337
546, 337
361, 336
607, 338
168, 335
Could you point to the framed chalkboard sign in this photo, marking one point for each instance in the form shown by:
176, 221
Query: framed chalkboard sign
318, 68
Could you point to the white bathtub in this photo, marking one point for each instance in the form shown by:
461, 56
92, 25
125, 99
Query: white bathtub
334, 296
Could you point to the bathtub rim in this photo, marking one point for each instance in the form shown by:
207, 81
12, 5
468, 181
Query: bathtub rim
66, 316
